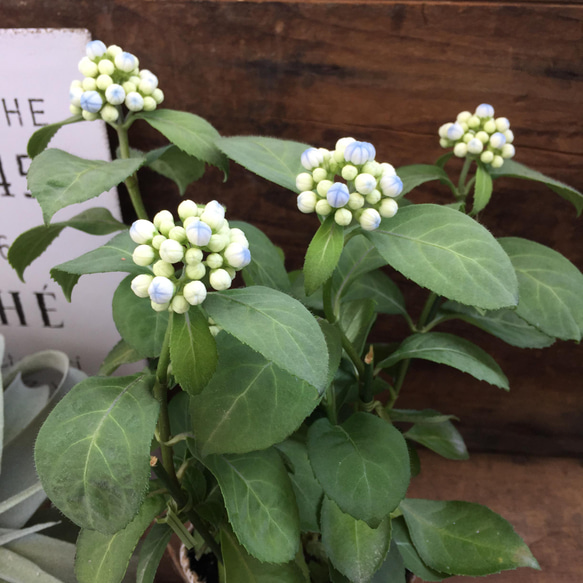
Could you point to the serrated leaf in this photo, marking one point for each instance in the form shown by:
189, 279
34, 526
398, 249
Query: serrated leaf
482, 189
191, 133
382, 289
178, 166
58, 179
88, 465
449, 253
393, 569
275, 160
276, 326
443, 160
355, 549
516, 170
356, 320
151, 552
362, 465
463, 538
105, 557
334, 344
452, 351
550, 288
442, 438
260, 503
41, 138
249, 404
417, 174
121, 353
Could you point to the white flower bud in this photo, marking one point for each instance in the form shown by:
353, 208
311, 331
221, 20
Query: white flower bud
343, 217
128, 87
475, 146
218, 242
134, 101
391, 185
162, 217
355, 201
157, 241
103, 82
163, 268
490, 126
373, 167
187, 208
444, 143
140, 285
196, 271
143, 255
388, 169
485, 110
198, 232
444, 129
370, 219
194, 293
213, 215
455, 132
95, 49
214, 260
91, 101
125, 62
135, 80
87, 115
306, 201
463, 116
165, 227
487, 157
365, 183
149, 103
460, 150
373, 197
497, 162
161, 290
106, 67
323, 187
158, 96
114, 50
179, 304
115, 94
88, 68
75, 95
238, 236
388, 208
508, 151
502, 124
74, 109
304, 181
159, 307
220, 279
237, 256
178, 234
148, 85
474, 122
509, 135
342, 143
109, 113
171, 251
193, 256
89, 84
497, 140
483, 137
323, 208
311, 158
349, 172
319, 174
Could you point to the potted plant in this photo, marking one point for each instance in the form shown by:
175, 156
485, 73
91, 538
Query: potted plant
266, 417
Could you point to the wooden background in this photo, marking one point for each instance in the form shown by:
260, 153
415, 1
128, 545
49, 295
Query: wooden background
390, 73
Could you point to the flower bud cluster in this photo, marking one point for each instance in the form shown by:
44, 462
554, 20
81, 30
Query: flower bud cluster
479, 135
189, 258
365, 192
112, 78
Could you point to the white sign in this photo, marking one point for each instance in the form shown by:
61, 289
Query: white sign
36, 70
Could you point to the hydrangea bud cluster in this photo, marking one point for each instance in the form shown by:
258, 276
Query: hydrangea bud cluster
365, 193
189, 258
480, 135
112, 78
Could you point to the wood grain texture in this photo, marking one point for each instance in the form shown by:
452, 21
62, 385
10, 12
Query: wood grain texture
390, 73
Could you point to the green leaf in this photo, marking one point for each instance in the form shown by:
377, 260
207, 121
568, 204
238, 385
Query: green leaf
275, 160
306, 488
177, 166
241, 567
409, 553
550, 288
442, 438
463, 538
16, 569
423, 417
266, 267
356, 320
137, 323
9, 535
450, 350
516, 170
151, 552
180, 422
382, 289
260, 503
34, 242
25, 494
249, 404
503, 324
323, 254
41, 138
276, 326
417, 174
393, 569
191, 133
58, 179
334, 344
93, 452
482, 189
355, 549
444, 159
193, 351
121, 353
362, 465
105, 557
449, 253
314, 302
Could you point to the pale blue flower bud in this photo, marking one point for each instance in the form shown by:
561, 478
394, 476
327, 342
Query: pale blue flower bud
196, 271
444, 129
388, 208
194, 293
237, 256
198, 233
220, 279
91, 101
115, 94
455, 132
475, 146
215, 210
179, 304
161, 290
193, 256
304, 181
140, 285
485, 110
370, 219
343, 217
508, 151
338, 195
359, 152
95, 49
497, 140
126, 62
143, 255
391, 185
171, 251
311, 158
306, 202
134, 101
365, 183
106, 67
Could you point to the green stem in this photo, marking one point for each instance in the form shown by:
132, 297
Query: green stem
427, 308
327, 296
367, 393
462, 187
352, 354
131, 182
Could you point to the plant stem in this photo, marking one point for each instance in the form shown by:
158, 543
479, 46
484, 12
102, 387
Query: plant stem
131, 182
462, 187
327, 297
427, 308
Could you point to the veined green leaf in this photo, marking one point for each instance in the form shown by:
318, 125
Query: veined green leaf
422, 417
41, 138
178, 166
417, 174
15, 568
393, 569
382, 289
356, 320
482, 189
151, 552
121, 353
442, 438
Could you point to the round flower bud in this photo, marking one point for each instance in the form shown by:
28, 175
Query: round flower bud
460, 150
179, 304
342, 143
158, 96
161, 290
463, 116
91, 101
444, 129
147, 85
194, 293
162, 217
370, 219
349, 172
187, 208
135, 80
214, 260
149, 104
392, 185
171, 251
74, 109
508, 151
220, 279
165, 227
388, 208
128, 87
304, 181
237, 256
143, 255
106, 67
134, 101
338, 195
355, 201
218, 242
372, 167
474, 122
319, 174
307, 201
237, 236
388, 169
196, 271
187, 221
444, 143
323, 208
483, 137
75, 83
225, 230
497, 140
125, 62
89, 84
157, 241
109, 113
88, 68
373, 197
455, 132
485, 110
140, 285
323, 187
75, 95
502, 124
95, 49
490, 126
193, 256
103, 82
487, 157
475, 146
163, 268
497, 162
468, 137
159, 307
114, 50
359, 152
178, 234
87, 115
343, 217
311, 158
509, 135
115, 94
198, 233
365, 183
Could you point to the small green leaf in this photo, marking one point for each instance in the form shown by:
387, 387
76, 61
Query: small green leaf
443, 160
323, 254
275, 160
463, 538
121, 353
41, 138
193, 351
334, 344
355, 549
93, 451
452, 351
382, 289
177, 166
191, 133
417, 174
356, 320
442, 438
58, 179
362, 465
14, 568
260, 503
516, 170
151, 552
482, 189
423, 417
